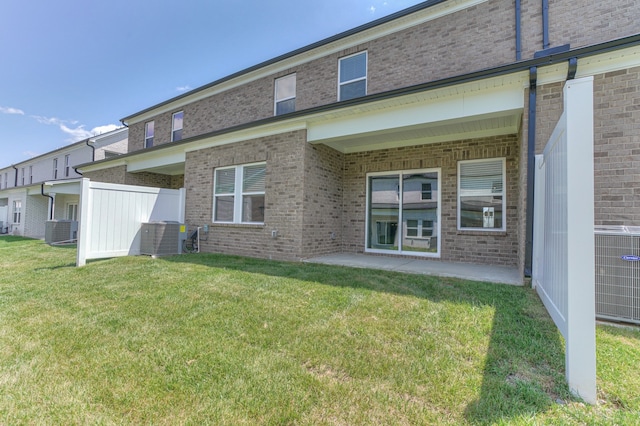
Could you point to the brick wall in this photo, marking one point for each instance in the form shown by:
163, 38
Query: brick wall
498, 248
112, 175
120, 175
617, 147
284, 155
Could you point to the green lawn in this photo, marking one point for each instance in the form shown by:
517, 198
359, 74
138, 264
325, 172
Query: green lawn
211, 339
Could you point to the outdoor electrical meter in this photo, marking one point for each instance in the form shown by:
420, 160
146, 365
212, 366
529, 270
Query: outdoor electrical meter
487, 217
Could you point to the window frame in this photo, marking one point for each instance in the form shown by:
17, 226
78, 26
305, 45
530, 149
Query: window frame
503, 193
30, 174
148, 140
67, 168
238, 194
175, 131
22, 174
55, 168
17, 212
355, 80
74, 211
277, 101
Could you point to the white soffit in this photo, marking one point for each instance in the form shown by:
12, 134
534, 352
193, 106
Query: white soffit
68, 187
171, 163
472, 110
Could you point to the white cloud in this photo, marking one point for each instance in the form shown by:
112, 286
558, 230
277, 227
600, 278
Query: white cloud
372, 9
9, 110
79, 132
183, 88
70, 127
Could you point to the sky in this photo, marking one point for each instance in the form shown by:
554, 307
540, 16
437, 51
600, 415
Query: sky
71, 69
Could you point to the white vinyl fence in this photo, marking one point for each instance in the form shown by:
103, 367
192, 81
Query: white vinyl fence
563, 249
111, 217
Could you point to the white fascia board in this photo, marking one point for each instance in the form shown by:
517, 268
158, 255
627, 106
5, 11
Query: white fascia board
92, 167
154, 160
400, 24
247, 134
457, 106
592, 65
66, 187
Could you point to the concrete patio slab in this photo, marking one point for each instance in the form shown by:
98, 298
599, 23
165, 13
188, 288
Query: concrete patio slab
468, 271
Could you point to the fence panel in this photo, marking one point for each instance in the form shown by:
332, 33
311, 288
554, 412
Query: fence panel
111, 217
563, 252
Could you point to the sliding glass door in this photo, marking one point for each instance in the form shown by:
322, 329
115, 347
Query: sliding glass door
403, 213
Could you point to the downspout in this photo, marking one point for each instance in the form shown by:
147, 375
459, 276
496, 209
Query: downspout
124, 124
93, 150
518, 31
531, 162
15, 183
50, 216
545, 24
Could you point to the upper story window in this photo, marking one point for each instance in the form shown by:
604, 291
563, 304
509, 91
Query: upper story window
176, 126
67, 167
6, 180
30, 174
353, 76
285, 94
22, 175
148, 134
55, 168
481, 196
239, 194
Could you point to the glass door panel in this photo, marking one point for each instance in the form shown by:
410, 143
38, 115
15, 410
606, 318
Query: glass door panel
420, 212
384, 212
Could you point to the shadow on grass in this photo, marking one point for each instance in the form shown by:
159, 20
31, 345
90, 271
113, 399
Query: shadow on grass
524, 364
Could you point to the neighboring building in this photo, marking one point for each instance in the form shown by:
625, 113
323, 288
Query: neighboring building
27, 195
408, 136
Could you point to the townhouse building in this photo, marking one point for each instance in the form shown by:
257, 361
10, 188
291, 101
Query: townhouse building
413, 135
46, 187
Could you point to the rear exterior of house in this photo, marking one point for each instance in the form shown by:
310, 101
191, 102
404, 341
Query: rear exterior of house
47, 186
410, 136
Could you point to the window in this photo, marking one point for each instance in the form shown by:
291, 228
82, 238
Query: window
285, 94
55, 168
353, 76
22, 176
176, 126
72, 211
6, 180
148, 134
17, 211
481, 198
239, 194
67, 168
30, 174
399, 217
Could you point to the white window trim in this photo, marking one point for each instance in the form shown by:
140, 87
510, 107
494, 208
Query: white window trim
504, 195
22, 173
146, 135
75, 211
275, 92
173, 122
30, 174
17, 212
436, 226
55, 168
237, 194
66, 165
366, 73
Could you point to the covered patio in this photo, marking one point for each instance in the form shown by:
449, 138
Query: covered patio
467, 271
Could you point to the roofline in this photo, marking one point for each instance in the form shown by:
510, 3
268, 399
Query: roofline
550, 58
62, 148
312, 46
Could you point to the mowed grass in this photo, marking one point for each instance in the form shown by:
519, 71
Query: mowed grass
211, 339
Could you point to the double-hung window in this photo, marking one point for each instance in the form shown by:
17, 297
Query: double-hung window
148, 134
239, 194
353, 76
176, 126
30, 174
67, 167
285, 94
22, 175
481, 195
17, 211
55, 168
